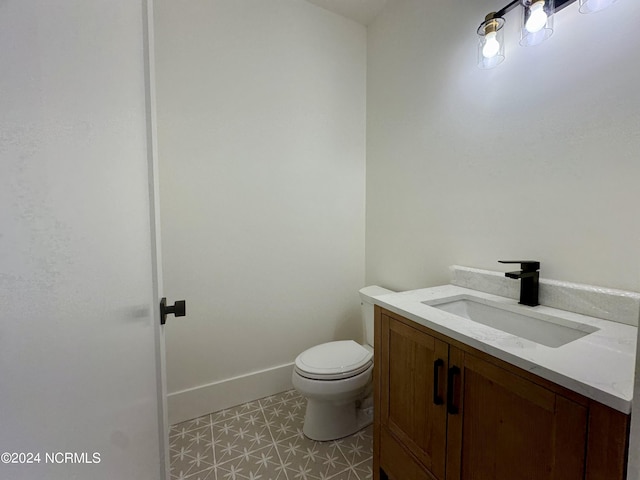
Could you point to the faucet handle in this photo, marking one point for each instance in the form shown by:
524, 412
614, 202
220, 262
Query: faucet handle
526, 265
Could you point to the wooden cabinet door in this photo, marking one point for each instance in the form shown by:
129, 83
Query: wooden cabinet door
413, 383
508, 428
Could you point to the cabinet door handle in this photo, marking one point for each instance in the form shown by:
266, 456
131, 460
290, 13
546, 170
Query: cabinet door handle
437, 399
451, 374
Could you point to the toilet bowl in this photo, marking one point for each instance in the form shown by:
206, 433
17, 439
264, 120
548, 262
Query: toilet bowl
336, 378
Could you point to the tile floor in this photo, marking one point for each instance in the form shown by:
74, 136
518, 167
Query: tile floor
263, 440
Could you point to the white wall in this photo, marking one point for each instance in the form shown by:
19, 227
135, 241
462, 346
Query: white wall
536, 159
261, 119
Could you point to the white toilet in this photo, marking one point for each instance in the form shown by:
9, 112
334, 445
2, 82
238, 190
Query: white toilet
336, 378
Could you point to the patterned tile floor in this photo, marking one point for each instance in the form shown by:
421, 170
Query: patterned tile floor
263, 440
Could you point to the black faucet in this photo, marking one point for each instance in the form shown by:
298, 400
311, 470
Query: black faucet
530, 278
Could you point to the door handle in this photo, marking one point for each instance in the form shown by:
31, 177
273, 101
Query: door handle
451, 407
437, 399
178, 309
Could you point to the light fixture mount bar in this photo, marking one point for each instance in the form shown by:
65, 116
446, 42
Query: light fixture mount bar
559, 5
506, 9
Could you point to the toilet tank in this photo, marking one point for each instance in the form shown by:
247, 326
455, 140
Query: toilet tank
366, 305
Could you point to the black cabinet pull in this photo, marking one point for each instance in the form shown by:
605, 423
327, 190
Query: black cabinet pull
437, 399
451, 408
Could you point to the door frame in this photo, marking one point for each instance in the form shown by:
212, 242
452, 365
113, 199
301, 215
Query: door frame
154, 213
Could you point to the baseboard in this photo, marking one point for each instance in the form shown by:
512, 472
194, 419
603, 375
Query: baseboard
195, 402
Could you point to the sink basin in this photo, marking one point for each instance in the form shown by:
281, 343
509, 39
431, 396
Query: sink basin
540, 328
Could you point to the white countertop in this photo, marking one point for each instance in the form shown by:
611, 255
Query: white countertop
599, 366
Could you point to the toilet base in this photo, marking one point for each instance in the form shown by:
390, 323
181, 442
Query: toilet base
326, 421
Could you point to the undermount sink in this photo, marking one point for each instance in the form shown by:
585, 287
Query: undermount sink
538, 327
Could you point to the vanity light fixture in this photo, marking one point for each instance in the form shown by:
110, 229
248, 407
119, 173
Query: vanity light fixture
491, 46
592, 6
537, 22
537, 26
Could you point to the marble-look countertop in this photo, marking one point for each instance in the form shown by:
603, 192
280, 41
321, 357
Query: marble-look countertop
599, 366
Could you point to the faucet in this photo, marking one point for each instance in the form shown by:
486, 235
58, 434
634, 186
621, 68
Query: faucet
530, 279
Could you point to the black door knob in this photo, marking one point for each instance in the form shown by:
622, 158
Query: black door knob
179, 309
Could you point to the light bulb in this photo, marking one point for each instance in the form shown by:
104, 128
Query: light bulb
537, 18
491, 45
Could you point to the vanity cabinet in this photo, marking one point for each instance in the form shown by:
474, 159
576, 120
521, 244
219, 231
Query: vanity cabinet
445, 411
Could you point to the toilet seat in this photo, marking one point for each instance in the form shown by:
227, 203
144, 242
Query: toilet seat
334, 361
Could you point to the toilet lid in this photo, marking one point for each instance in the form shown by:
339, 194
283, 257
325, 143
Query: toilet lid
334, 360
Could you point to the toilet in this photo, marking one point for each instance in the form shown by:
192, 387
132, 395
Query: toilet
336, 378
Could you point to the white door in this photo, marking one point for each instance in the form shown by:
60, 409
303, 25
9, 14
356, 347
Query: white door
80, 346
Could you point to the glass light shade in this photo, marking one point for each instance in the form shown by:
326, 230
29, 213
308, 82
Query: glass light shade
537, 22
491, 44
592, 6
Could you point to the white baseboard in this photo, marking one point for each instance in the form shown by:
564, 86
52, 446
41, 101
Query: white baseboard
195, 402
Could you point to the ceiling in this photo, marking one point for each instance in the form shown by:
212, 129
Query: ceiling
362, 11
